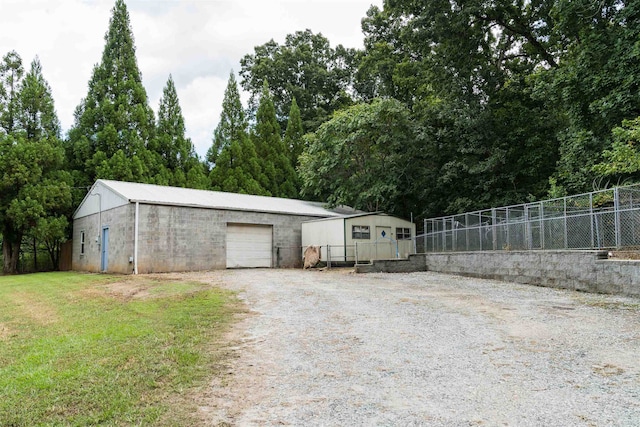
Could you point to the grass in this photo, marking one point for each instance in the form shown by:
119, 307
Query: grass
79, 349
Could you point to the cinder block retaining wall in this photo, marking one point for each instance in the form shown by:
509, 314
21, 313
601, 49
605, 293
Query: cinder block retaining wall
576, 270
408, 265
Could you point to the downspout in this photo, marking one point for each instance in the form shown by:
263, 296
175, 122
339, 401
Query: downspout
344, 240
135, 239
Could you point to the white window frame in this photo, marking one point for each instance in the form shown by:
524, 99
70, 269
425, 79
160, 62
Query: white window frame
82, 242
403, 233
361, 232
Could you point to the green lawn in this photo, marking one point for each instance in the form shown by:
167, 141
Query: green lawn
79, 349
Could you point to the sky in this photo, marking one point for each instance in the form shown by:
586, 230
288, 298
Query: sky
198, 42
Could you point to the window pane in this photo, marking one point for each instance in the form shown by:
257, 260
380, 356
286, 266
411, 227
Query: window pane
403, 233
360, 232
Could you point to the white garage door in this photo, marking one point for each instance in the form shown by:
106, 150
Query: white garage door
249, 245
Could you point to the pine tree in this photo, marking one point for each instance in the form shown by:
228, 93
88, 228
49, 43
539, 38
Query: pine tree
233, 156
176, 153
115, 116
35, 193
232, 125
294, 133
279, 177
37, 115
11, 73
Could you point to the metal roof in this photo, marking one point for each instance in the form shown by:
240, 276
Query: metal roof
351, 215
176, 196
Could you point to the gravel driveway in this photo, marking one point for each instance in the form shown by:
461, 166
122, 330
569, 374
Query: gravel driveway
339, 349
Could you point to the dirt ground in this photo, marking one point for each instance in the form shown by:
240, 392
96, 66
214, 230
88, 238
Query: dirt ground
335, 348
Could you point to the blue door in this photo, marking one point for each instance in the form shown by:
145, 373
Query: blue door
104, 259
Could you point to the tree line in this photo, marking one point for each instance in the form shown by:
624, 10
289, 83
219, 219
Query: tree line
451, 106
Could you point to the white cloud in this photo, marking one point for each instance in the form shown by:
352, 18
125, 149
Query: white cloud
201, 106
197, 41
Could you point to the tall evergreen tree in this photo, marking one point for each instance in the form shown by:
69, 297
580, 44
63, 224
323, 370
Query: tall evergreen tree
37, 114
11, 73
177, 156
35, 194
114, 123
232, 125
233, 155
293, 141
279, 177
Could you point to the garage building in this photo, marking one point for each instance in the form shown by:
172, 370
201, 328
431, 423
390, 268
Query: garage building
124, 227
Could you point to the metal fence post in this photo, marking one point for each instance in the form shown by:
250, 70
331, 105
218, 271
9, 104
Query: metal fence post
566, 237
454, 235
329, 256
508, 230
542, 224
356, 253
466, 231
528, 241
591, 242
481, 228
494, 236
616, 207
424, 232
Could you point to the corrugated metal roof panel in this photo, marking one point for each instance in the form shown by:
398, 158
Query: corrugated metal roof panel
351, 215
163, 195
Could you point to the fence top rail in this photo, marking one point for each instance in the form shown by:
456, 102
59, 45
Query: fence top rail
525, 206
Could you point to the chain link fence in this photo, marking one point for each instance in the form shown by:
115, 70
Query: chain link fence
603, 219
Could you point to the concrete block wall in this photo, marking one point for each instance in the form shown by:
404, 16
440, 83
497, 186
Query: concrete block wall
412, 263
120, 221
172, 238
576, 270
175, 238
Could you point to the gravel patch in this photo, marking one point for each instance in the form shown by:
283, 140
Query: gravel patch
335, 348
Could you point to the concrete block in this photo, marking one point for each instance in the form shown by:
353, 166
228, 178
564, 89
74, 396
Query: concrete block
552, 282
523, 279
632, 289
585, 285
609, 288
587, 275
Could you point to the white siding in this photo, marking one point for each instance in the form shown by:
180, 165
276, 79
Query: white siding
100, 198
323, 233
379, 247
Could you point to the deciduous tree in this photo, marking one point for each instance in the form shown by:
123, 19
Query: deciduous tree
306, 68
595, 84
362, 158
622, 160
467, 70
